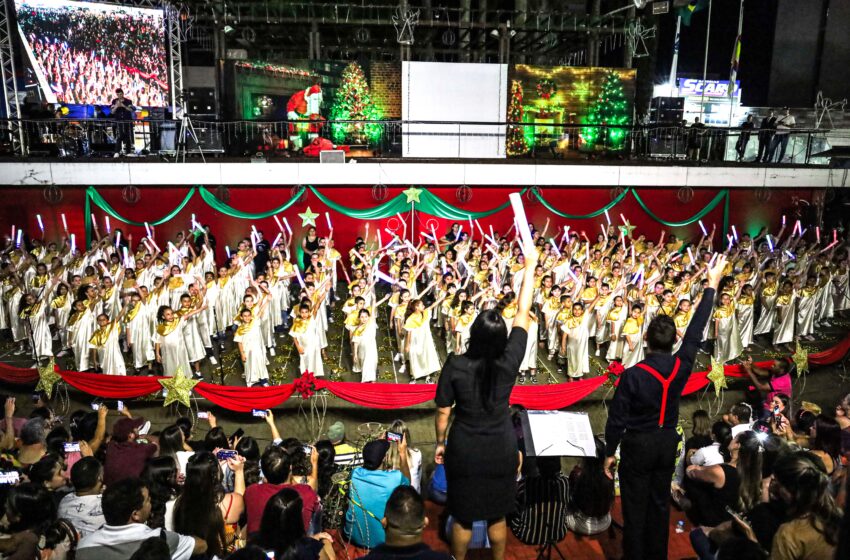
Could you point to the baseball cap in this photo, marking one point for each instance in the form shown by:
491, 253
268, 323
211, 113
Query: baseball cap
336, 432
123, 427
374, 453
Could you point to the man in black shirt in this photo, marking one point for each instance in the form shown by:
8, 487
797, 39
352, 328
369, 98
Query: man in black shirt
120, 110
768, 125
404, 520
744, 139
644, 414
261, 259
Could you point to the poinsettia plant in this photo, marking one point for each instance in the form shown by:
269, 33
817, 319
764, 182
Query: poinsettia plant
305, 385
615, 370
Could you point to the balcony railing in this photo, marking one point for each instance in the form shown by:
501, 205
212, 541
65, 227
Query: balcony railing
91, 138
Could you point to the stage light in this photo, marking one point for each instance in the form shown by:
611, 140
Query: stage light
228, 29
494, 33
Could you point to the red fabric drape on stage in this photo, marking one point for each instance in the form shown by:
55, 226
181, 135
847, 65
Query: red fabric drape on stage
244, 399
371, 395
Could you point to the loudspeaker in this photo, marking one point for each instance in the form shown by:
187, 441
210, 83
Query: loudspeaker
42, 149
200, 101
209, 139
667, 110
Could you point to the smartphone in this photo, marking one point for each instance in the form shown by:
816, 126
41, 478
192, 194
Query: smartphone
739, 517
270, 554
10, 477
308, 449
258, 413
225, 454
238, 434
776, 410
120, 406
70, 447
393, 436
95, 406
204, 415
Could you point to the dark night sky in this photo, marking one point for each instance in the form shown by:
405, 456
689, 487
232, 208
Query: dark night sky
757, 39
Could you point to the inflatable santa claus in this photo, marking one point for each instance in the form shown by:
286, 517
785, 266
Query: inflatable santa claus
304, 105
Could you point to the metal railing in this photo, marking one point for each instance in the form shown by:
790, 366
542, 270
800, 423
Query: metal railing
91, 138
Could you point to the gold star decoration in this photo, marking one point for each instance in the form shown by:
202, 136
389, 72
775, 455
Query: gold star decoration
178, 388
308, 218
47, 378
717, 376
627, 229
801, 360
412, 195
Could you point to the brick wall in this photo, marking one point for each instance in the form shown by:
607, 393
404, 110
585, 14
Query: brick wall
385, 85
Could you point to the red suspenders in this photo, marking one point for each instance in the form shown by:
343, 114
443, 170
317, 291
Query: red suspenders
665, 385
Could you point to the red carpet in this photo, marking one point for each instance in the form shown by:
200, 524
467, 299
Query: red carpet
605, 545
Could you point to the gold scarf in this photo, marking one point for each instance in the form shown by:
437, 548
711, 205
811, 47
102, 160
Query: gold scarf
167, 327
416, 320
632, 326
101, 335
245, 328
299, 325
132, 313
59, 302
174, 283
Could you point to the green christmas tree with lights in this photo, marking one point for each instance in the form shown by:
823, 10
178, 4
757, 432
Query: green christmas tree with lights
610, 108
353, 102
516, 144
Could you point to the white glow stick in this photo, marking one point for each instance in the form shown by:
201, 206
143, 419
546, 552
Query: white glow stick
391, 232
108, 225
147, 245
412, 248
227, 250
73, 243
625, 222
381, 276
20, 238
155, 246
711, 262
633, 255
691, 256
770, 242
93, 220
702, 227
279, 225
276, 240
492, 235
254, 241
328, 218
40, 223
604, 231
254, 229
480, 229
554, 246
117, 238
434, 233
803, 232
126, 257
286, 223
623, 239
796, 227
730, 239
148, 229
459, 231
607, 217
521, 221
378, 231
471, 230
64, 222
817, 234
572, 274
783, 219
300, 280
734, 233
790, 255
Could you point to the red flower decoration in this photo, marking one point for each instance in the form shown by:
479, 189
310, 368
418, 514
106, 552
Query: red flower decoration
305, 385
615, 369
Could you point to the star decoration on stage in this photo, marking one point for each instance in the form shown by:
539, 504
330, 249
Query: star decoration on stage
412, 195
801, 360
47, 378
626, 230
717, 376
179, 388
308, 218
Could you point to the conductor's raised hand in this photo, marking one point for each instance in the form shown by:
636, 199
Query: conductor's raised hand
715, 273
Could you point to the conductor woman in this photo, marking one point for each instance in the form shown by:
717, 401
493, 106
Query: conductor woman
481, 457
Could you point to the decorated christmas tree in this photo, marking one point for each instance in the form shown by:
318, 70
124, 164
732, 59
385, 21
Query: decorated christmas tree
516, 144
610, 108
354, 102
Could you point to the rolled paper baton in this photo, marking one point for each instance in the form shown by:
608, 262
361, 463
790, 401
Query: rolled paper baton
521, 220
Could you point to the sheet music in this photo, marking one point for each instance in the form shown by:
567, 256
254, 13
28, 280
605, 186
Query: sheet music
560, 434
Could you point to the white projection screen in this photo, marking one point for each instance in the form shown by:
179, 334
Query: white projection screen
451, 92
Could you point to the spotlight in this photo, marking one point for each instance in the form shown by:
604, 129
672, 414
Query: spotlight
228, 29
494, 33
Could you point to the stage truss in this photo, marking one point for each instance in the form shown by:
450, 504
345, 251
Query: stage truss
7, 62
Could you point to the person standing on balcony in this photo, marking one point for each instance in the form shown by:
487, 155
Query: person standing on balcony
746, 130
695, 139
768, 124
121, 111
783, 132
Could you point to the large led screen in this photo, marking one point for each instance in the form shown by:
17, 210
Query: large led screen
80, 52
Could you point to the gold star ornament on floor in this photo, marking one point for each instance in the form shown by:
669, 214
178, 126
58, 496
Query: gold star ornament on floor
47, 378
178, 388
801, 360
308, 218
412, 195
717, 377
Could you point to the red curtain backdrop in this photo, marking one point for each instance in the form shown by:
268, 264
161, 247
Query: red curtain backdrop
369, 395
21, 204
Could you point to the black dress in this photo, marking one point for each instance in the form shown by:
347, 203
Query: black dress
481, 454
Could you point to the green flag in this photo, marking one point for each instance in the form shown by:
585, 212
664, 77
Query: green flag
685, 12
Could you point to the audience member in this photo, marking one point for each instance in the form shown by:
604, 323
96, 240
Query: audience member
740, 418
29, 512
161, 479
414, 456
172, 442
718, 452
125, 457
282, 530
542, 500
346, 455
700, 433
769, 381
83, 507
842, 416
591, 495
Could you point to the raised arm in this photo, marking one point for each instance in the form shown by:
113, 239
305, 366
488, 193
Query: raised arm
526, 291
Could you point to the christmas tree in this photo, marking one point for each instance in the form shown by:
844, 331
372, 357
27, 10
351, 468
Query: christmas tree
516, 144
610, 108
353, 102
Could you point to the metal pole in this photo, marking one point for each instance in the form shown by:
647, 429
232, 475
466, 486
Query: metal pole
705, 61
675, 65
734, 73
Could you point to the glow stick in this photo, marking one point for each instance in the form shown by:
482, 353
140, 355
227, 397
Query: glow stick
459, 231
392, 233
734, 233
572, 274
471, 230
633, 255
835, 236
817, 233
803, 232
796, 227
108, 225
64, 222
227, 250
126, 257
254, 230
155, 246
711, 262
279, 225
607, 217
566, 232
276, 239
830, 246
434, 233
623, 239
770, 242
625, 222
300, 280
790, 255
254, 242
289, 229
148, 229
412, 248
73, 243
604, 231
783, 219
378, 231
13, 232
147, 245
492, 235
691, 255
730, 239
328, 218
381, 276
93, 220
702, 227
40, 223
521, 221
117, 238
480, 229
20, 238
554, 246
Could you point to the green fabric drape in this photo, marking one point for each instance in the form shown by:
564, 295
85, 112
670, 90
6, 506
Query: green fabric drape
433, 205
228, 210
91, 193
693, 219
599, 212
390, 208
